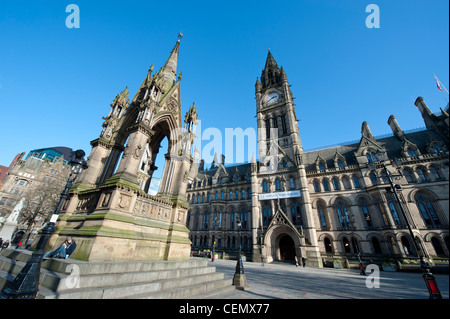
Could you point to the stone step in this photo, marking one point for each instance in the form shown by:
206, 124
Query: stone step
72, 279
190, 292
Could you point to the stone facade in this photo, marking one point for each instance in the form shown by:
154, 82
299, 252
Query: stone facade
324, 204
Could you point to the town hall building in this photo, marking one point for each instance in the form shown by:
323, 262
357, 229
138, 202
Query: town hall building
330, 204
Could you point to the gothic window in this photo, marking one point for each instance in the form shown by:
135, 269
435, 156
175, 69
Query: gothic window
222, 195
220, 220
232, 220
267, 215
435, 173
264, 186
373, 178
243, 217
328, 246
406, 246
346, 182
243, 194
205, 220
421, 174
437, 246
427, 210
437, 148
316, 186
356, 182
291, 183
340, 163
376, 246
231, 195
335, 183
283, 123
321, 166
394, 214
217, 195
267, 128
407, 175
371, 157
249, 193
277, 184
208, 198
203, 198
326, 186
411, 152
366, 213
322, 218
346, 245
342, 214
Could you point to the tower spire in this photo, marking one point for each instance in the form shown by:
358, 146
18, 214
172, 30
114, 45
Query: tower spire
170, 67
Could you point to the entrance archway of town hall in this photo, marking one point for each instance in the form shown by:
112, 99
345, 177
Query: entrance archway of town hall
286, 248
281, 244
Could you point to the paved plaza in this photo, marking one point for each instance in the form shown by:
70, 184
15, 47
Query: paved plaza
285, 281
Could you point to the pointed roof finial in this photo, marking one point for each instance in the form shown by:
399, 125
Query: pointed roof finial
180, 35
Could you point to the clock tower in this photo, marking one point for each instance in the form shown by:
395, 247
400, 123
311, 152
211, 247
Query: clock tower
278, 135
282, 210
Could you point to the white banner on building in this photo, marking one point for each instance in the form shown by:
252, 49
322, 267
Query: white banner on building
276, 195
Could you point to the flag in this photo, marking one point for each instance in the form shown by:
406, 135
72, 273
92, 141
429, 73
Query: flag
438, 84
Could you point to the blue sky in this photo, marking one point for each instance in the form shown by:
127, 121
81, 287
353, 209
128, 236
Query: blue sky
57, 83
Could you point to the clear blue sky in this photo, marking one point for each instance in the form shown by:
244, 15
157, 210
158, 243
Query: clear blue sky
56, 83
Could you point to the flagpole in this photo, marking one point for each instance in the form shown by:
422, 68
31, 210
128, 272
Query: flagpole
439, 82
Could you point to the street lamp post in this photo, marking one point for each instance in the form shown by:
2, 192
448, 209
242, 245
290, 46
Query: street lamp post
239, 279
26, 283
430, 280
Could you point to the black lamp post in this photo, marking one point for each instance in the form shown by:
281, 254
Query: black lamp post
26, 283
239, 279
239, 265
430, 280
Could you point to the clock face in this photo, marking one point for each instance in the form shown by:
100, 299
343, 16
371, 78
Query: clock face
272, 98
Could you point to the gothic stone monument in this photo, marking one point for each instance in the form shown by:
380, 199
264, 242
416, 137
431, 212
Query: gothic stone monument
109, 212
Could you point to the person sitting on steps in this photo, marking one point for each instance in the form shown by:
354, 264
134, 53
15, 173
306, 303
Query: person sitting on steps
64, 251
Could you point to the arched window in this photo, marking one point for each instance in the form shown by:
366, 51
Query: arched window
326, 186
335, 183
346, 245
435, 173
437, 246
411, 152
316, 186
340, 163
376, 246
267, 215
427, 211
394, 213
291, 183
328, 246
342, 214
373, 178
356, 182
408, 176
277, 184
366, 213
322, 219
264, 186
437, 148
421, 174
321, 166
231, 195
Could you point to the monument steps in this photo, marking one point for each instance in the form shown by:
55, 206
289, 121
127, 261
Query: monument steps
74, 279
